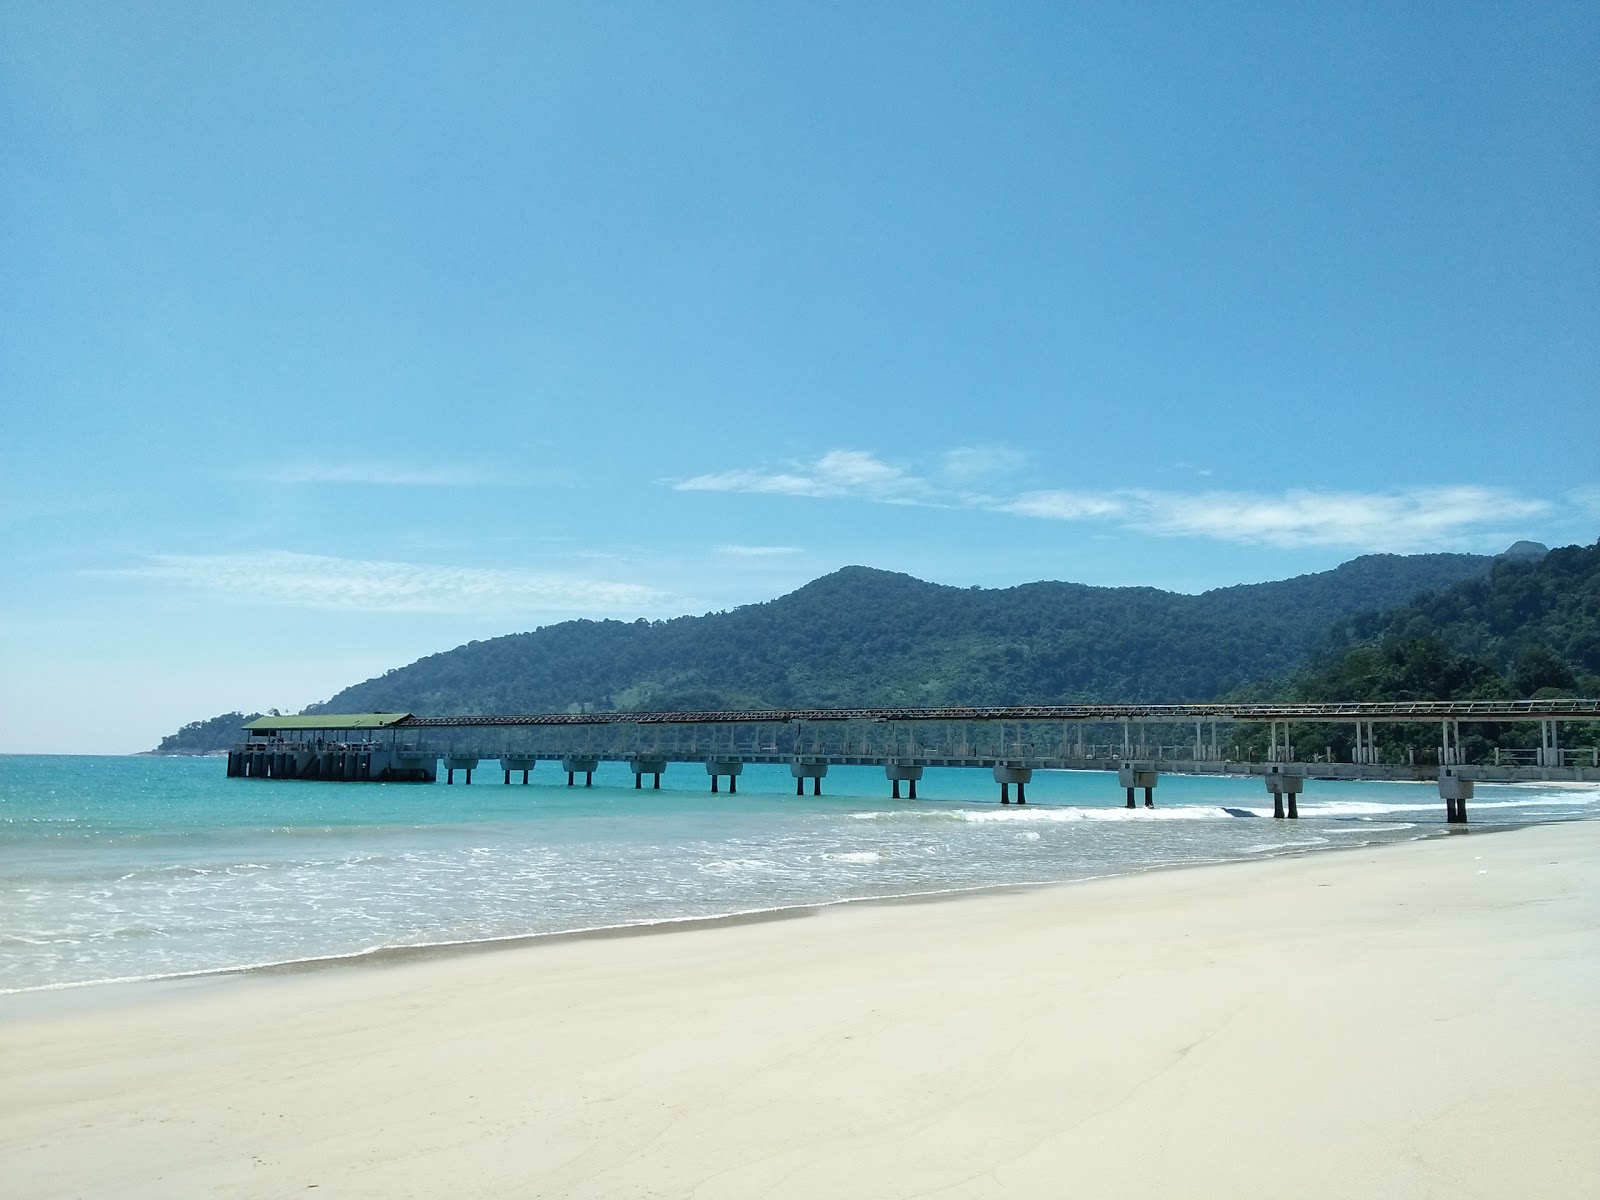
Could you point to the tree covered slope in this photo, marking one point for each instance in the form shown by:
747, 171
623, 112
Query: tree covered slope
866, 637
1529, 628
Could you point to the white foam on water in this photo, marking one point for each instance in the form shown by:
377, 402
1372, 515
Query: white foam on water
1266, 847
727, 866
1064, 815
855, 856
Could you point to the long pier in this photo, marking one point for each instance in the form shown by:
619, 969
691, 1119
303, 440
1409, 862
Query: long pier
1140, 742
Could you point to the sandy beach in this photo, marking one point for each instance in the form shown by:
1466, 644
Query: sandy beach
1412, 1020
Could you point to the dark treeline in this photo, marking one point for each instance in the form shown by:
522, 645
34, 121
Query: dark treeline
1528, 629
208, 736
1381, 627
863, 637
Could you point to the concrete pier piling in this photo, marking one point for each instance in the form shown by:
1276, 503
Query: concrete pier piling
585, 766
1455, 792
459, 762
1005, 775
899, 773
1285, 786
1132, 775
731, 767
804, 769
647, 766
511, 765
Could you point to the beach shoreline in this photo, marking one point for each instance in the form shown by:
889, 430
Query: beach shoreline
1404, 1020
16, 1002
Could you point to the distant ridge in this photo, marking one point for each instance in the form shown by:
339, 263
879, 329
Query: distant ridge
861, 636
1524, 549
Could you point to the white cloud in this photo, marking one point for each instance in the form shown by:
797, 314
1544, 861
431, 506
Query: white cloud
755, 551
318, 581
1408, 520
1399, 520
836, 473
1061, 505
379, 474
1586, 500
982, 462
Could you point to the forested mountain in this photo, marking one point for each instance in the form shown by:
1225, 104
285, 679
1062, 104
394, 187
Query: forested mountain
208, 736
867, 637
1529, 628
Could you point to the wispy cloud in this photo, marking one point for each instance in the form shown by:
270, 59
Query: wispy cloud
1413, 519
836, 473
1587, 501
755, 551
986, 463
378, 474
1399, 520
316, 581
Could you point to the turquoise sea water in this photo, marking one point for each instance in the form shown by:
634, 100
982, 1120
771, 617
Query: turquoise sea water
119, 868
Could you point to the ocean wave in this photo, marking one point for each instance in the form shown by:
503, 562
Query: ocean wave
855, 856
1299, 844
729, 866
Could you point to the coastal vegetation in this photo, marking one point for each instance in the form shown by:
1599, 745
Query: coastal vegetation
1527, 629
864, 637
208, 736
1381, 627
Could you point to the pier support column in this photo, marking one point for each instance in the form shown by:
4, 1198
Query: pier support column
1455, 792
647, 766
1006, 775
514, 763
1282, 784
580, 766
1133, 775
804, 769
903, 772
894, 785
731, 767
449, 774
459, 762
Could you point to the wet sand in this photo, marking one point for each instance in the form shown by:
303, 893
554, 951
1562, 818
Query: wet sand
1410, 1020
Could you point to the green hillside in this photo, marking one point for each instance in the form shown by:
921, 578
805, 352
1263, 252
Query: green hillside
867, 637
1530, 627
1527, 629
208, 736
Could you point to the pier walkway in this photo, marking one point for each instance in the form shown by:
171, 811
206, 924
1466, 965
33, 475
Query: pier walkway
1140, 742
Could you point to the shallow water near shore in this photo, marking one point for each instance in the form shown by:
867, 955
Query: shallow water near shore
138, 868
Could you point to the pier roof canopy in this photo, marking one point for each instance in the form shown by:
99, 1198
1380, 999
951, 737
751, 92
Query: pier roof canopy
327, 721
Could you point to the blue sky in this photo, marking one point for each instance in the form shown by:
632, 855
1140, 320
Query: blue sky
335, 335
